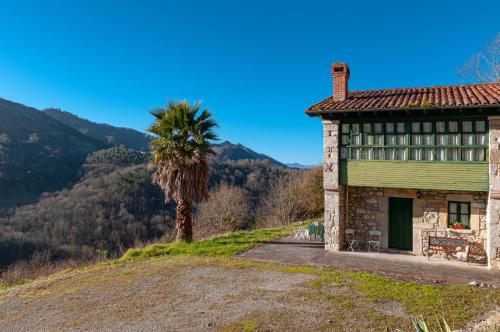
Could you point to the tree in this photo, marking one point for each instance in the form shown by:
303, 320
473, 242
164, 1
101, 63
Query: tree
227, 209
313, 191
179, 148
484, 67
284, 202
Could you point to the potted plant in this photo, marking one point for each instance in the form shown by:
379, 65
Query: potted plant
458, 225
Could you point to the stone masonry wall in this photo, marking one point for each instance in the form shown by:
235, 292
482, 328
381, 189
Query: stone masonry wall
493, 215
430, 217
368, 208
334, 193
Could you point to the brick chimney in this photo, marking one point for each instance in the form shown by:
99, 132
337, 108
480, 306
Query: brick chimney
340, 73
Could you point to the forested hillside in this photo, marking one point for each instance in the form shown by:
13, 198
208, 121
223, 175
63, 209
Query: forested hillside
109, 212
119, 156
37, 153
82, 196
111, 135
113, 206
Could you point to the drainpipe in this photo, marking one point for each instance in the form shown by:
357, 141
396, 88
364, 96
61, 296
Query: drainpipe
346, 207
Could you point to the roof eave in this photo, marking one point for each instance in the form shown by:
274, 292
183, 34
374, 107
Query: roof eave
399, 109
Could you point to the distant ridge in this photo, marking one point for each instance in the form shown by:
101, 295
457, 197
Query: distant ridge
227, 151
300, 166
133, 139
115, 136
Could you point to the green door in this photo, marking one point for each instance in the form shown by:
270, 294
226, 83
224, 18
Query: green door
400, 223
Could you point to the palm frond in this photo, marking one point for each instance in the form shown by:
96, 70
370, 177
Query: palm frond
180, 145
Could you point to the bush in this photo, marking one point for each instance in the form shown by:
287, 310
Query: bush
312, 191
40, 265
283, 203
292, 196
227, 209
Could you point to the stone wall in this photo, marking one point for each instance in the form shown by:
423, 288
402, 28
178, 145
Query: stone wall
430, 217
493, 215
334, 193
368, 208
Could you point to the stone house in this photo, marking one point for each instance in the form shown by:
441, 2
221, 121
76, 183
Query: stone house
412, 162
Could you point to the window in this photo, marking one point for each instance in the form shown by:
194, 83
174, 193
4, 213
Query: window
453, 140
467, 139
480, 130
416, 140
459, 213
426, 140
441, 140
378, 130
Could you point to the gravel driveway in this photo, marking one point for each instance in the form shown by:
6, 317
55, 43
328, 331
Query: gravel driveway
161, 295
195, 294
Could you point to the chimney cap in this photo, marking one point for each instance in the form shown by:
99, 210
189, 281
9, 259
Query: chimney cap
339, 68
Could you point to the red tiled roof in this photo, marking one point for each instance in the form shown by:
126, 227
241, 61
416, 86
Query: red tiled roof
449, 96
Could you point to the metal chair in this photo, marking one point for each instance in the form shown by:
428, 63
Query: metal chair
352, 243
300, 233
464, 255
312, 229
321, 231
374, 240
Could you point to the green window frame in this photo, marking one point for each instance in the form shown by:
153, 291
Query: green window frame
454, 139
459, 212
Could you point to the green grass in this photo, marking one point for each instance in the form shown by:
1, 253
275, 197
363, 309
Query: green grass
342, 294
225, 245
3, 286
458, 303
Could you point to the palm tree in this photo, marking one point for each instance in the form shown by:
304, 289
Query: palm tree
179, 148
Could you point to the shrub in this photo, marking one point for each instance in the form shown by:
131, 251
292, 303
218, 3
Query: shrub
226, 209
283, 203
312, 191
40, 265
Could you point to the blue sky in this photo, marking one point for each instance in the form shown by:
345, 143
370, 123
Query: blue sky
256, 64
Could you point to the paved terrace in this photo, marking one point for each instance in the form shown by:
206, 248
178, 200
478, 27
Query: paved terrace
399, 266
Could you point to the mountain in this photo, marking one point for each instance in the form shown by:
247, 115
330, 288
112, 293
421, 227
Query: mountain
227, 151
111, 135
42, 151
299, 166
37, 153
129, 138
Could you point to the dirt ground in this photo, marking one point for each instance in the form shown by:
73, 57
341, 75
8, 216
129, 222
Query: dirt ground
192, 294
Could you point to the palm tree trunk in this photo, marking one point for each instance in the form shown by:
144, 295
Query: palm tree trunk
183, 220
